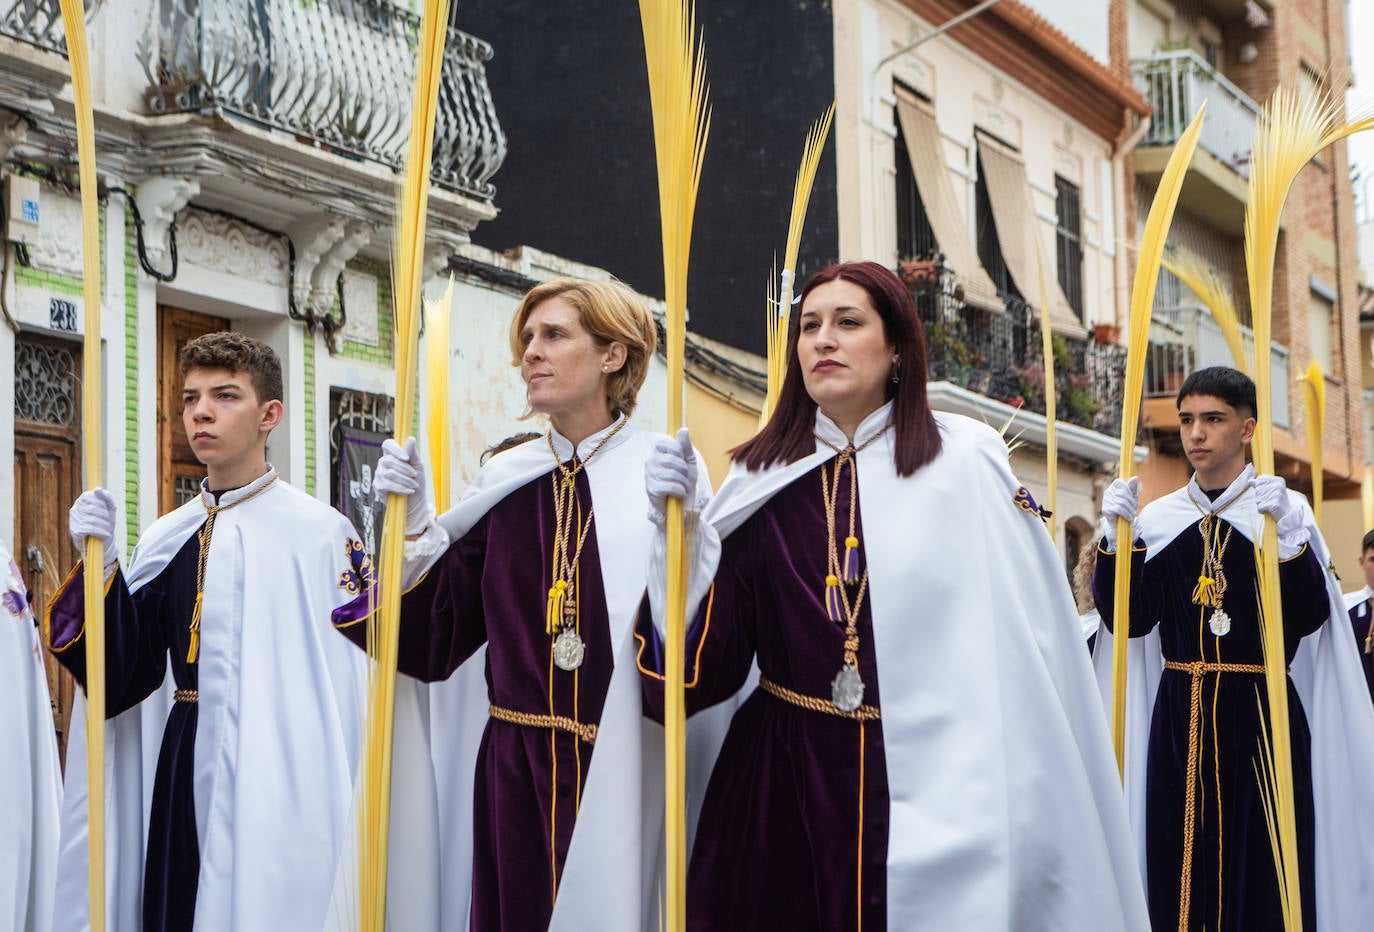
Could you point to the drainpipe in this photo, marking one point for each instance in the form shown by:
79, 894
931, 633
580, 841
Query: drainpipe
1118, 159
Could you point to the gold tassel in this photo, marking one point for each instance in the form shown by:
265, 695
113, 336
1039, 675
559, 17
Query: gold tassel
1205, 593
194, 650
553, 612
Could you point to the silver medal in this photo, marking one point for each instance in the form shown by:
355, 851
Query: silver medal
1220, 622
847, 689
568, 650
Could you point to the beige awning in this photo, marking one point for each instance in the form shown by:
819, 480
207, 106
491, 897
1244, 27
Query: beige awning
1009, 194
947, 221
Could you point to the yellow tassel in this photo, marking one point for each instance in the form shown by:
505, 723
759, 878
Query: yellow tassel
553, 612
194, 650
1205, 593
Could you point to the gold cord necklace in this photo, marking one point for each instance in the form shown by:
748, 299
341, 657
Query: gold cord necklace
1211, 581
203, 537
561, 612
847, 688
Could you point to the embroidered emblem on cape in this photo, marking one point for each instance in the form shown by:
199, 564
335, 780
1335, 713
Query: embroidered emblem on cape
362, 576
1023, 500
14, 602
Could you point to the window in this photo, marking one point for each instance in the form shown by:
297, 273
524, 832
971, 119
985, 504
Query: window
915, 237
358, 423
1069, 242
1319, 314
989, 244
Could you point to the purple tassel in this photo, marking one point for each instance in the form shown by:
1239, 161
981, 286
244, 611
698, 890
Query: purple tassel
851, 559
832, 599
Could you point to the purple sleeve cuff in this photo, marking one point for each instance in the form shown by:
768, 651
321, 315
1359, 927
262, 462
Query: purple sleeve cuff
66, 614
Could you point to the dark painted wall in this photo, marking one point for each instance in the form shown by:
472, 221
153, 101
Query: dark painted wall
569, 82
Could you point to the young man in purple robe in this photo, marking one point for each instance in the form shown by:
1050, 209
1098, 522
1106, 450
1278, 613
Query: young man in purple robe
1208, 857
234, 709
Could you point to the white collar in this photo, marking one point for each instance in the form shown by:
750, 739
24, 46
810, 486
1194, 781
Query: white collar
869, 427
1234, 491
233, 496
564, 448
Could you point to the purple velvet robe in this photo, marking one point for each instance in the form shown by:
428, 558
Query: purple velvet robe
794, 826
142, 629
491, 588
1363, 625
1231, 881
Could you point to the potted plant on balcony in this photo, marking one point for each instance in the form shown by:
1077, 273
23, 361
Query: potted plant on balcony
949, 356
921, 275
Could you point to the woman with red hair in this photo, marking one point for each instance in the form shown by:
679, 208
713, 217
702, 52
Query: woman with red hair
924, 747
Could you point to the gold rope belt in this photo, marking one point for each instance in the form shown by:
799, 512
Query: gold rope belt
1197, 669
585, 731
186, 695
864, 713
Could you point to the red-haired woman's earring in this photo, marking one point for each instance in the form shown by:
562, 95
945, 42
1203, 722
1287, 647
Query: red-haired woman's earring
896, 376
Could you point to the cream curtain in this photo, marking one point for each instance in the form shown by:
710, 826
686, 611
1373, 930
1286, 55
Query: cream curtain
947, 221
1009, 193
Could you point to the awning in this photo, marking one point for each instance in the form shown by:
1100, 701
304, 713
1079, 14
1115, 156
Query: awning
1009, 194
947, 221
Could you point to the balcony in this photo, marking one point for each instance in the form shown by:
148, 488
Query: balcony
1185, 339
999, 355
1176, 85
336, 74
35, 22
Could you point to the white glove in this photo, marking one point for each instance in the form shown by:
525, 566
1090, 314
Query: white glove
1271, 498
1120, 500
402, 472
94, 515
671, 469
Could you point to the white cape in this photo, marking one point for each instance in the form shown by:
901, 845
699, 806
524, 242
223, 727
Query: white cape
281, 701
1330, 683
612, 871
1006, 810
30, 778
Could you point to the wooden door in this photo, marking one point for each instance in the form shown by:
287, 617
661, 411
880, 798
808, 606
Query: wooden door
47, 479
179, 472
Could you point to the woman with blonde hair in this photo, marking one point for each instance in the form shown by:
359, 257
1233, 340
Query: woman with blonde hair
527, 591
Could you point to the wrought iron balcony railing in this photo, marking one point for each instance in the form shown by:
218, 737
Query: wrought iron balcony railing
1176, 84
339, 73
37, 22
999, 354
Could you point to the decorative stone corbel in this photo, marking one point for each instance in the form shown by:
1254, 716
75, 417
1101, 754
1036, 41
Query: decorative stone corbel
14, 132
312, 238
437, 255
159, 200
325, 279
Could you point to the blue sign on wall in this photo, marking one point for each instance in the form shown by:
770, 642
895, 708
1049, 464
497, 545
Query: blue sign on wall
62, 314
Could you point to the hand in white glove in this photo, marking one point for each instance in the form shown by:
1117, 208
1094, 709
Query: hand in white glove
671, 469
402, 472
1271, 498
1120, 500
94, 515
